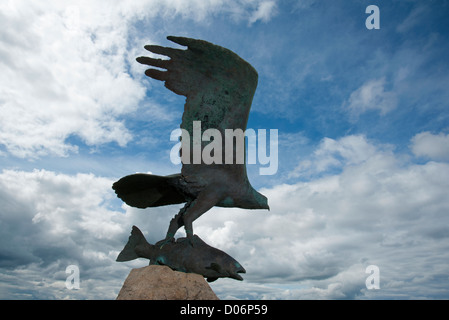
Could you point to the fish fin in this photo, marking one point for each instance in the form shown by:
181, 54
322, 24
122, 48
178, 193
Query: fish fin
129, 253
211, 279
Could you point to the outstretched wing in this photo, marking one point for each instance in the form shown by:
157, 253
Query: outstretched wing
218, 84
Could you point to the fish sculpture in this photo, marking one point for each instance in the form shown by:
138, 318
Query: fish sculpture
179, 255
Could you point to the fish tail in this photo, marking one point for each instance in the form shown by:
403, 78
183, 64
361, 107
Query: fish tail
129, 252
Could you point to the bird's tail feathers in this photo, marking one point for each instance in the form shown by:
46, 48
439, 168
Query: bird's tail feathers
147, 190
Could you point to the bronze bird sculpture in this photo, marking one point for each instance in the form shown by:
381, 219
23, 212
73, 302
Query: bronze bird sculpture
219, 87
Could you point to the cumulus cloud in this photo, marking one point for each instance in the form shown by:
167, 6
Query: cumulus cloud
320, 235
317, 240
64, 74
371, 96
334, 154
51, 221
67, 69
428, 145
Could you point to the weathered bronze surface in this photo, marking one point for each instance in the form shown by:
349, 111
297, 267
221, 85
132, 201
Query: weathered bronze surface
181, 256
219, 88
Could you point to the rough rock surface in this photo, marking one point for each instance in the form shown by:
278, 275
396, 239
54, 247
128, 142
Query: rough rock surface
162, 283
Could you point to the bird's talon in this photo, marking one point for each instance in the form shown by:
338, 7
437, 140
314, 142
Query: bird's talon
168, 239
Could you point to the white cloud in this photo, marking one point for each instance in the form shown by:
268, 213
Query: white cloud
265, 11
334, 154
65, 69
50, 221
428, 145
360, 204
320, 235
316, 241
64, 74
371, 96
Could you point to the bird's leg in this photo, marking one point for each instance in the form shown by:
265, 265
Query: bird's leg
175, 223
205, 200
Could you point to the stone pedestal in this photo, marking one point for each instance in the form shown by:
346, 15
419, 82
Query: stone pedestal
162, 283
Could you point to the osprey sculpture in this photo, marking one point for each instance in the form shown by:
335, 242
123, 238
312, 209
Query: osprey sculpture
219, 88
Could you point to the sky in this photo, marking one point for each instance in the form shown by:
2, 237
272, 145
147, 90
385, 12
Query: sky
363, 144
